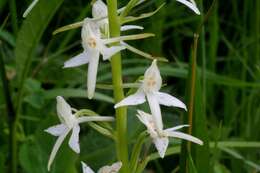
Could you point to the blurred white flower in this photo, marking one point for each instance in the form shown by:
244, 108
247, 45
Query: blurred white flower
114, 168
150, 89
28, 10
191, 4
69, 122
160, 139
93, 46
100, 11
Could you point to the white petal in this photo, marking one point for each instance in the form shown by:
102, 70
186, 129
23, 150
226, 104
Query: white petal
56, 148
148, 121
92, 73
86, 168
74, 139
57, 130
152, 78
94, 118
130, 27
99, 9
107, 53
145, 118
64, 112
114, 168
177, 127
168, 100
90, 29
192, 5
155, 110
78, 60
28, 10
134, 99
161, 145
184, 136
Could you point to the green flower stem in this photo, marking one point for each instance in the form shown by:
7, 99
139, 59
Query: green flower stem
121, 113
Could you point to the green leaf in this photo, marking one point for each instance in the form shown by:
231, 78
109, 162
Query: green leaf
200, 154
66, 92
236, 155
8, 37
142, 16
171, 71
192, 167
32, 85
34, 153
97, 151
30, 34
2, 161
219, 168
35, 99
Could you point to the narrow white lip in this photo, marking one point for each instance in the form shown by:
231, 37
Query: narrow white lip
190, 4
29, 9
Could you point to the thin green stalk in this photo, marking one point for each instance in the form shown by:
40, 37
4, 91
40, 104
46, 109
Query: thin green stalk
192, 84
257, 30
12, 5
11, 117
137, 150
203, 58
121, 113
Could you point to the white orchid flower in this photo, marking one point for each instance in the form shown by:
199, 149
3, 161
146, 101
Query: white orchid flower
114, 168
150, 89
99, 11
93, 46
160, 139
29, 9
69, 122
191, 4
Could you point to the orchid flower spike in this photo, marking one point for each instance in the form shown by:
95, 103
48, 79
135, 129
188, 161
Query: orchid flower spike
29, 9
114, 168
100, 11
160, 139
93, 46
150, 89
69, 122
191, 4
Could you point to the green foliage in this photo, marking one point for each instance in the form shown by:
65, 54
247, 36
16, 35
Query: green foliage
30, 34
34, 153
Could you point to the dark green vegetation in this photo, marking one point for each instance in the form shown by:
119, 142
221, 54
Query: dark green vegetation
227, 93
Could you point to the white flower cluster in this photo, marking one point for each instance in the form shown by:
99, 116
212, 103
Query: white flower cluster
150, 90
96, 42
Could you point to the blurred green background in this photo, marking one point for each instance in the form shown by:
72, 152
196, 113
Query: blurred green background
227, 111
